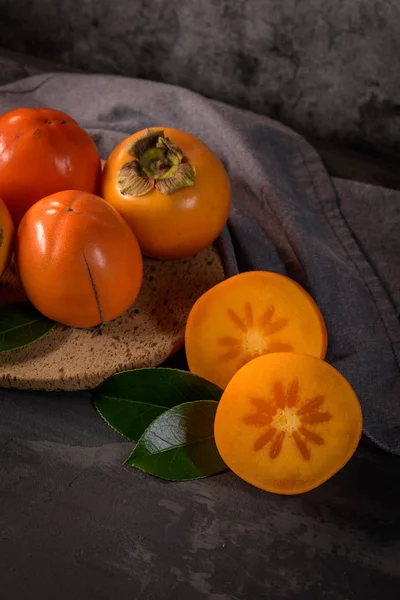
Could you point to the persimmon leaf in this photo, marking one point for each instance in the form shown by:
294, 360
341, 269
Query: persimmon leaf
129, 401
179, 445
21, 324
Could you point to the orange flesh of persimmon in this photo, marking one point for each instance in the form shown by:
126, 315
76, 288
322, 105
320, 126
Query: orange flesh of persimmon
249, 315
287, 422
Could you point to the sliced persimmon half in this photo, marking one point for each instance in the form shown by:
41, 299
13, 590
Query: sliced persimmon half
287, 422
246, 316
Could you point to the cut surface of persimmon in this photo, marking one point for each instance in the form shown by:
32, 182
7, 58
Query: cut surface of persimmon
287, 422
246, 316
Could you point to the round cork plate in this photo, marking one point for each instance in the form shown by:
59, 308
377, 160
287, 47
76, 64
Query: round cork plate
146, 335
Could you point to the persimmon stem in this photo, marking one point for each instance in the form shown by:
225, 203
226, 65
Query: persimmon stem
157, 162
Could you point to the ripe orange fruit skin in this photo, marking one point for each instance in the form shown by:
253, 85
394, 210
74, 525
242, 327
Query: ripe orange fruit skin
78, 260
44, 151
186, 221
6, 236
248, 315
287, 422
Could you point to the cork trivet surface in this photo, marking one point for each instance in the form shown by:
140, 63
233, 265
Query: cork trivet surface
146, 335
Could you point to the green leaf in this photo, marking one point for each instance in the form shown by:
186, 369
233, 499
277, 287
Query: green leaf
179, 445
129, 401
20, 325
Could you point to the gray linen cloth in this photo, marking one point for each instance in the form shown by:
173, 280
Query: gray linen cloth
338, 239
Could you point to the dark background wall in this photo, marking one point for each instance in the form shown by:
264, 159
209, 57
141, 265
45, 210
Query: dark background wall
328, 69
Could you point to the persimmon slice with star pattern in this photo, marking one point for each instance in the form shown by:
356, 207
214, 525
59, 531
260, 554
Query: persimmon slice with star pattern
287, 422
246, 316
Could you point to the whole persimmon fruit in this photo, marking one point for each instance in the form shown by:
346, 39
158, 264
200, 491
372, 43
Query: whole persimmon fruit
44, 151
287, 422
171, 188
78, 260
6, 236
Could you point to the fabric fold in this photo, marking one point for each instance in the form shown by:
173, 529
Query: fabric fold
287, 216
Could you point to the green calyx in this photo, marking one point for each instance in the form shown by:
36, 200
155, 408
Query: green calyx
157, 163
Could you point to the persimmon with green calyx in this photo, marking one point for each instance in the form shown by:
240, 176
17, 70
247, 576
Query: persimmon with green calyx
172, 190
6, 236
248, 315
287, 422
78, 260
44, 151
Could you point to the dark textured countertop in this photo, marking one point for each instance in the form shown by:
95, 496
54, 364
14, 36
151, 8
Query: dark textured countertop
331, 68
76, 524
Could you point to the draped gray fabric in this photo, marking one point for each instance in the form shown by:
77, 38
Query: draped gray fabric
338, 239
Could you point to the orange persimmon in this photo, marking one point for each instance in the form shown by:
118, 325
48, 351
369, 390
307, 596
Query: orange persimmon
171, 188
6, 236
78, 260
44, 151
287, 422
248, 315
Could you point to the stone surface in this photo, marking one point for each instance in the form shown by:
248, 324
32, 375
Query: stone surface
76, 524
331, 69
14, 65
